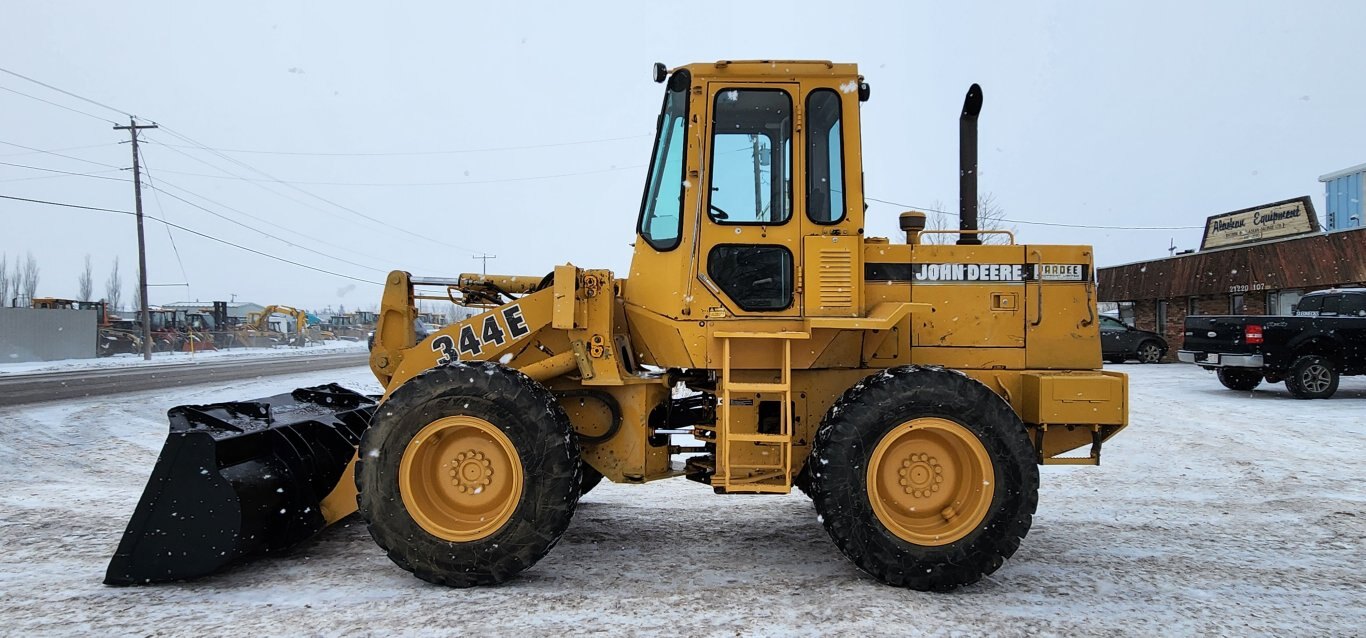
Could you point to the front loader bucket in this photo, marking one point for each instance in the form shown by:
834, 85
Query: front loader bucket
239, 478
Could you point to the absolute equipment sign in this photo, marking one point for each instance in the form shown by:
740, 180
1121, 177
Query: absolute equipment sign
1270, 221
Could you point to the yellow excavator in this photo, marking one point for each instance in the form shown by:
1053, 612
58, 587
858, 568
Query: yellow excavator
761, 341
257, 332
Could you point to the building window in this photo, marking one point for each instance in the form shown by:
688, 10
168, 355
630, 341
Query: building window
1126, 312
1161, 317
1236, 305
1191, 306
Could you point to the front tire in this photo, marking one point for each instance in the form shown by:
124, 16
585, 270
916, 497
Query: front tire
469, 474
1241, 380
1312, 377
924, 478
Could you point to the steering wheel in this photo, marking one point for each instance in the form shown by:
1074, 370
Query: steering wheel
720, 214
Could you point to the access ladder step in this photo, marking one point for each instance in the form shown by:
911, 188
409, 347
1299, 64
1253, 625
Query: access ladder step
772, 439
757, 387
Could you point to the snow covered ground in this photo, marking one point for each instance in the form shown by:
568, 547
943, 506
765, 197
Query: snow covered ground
1216, 512
172, 358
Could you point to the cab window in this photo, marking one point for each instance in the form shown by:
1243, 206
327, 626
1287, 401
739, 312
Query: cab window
661, 208
751, 157
824, 158
757, 277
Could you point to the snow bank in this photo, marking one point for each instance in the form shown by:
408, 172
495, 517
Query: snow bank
1216, 512
171, 358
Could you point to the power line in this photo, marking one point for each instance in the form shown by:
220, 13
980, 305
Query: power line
60, 106
258, 184
353, 211
53, 170
194, 232
56, 150
65, 92
421, 153
157, 198
56, 154
37, 177
264, 233
528, 178
267, 222
1029, 223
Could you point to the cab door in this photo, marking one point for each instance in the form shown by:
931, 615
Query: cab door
750, 237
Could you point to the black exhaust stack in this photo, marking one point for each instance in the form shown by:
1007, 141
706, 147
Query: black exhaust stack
967, 167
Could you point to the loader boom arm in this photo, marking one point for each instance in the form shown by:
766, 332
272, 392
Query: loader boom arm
512, 333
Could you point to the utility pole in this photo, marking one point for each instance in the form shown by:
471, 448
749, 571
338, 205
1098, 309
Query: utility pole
143, 316
486, 259
758, 198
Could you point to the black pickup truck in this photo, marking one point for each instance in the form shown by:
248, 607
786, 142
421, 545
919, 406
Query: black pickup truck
1324, 339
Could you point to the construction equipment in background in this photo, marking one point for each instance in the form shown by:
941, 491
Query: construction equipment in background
256, 331
911, 390
172, 330
344, 326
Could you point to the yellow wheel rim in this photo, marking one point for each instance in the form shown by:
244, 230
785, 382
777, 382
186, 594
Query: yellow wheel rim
930, 481
460, 478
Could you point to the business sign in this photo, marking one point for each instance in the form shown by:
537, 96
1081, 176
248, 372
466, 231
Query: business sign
1270, 221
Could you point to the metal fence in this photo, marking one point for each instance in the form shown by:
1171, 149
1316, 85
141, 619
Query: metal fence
28, 334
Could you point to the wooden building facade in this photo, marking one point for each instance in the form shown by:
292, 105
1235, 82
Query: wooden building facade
1257, 279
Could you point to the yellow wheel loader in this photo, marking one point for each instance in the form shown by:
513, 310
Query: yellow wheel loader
761, 341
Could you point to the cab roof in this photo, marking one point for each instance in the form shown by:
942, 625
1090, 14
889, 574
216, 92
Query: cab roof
772, 69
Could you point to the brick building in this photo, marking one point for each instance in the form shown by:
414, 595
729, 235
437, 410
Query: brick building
1248, 275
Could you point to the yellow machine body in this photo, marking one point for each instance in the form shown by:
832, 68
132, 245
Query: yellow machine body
1020, 319
759, 341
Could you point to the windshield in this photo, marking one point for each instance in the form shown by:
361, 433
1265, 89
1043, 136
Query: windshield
662, 206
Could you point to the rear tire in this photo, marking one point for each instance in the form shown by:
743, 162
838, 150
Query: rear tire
1150, 352
469, 474
1238, 379
967, 487
1312, 377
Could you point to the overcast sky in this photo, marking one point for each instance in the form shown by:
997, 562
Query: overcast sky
1105, 114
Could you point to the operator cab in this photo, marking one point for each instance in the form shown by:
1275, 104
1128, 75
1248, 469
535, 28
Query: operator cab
751, 158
